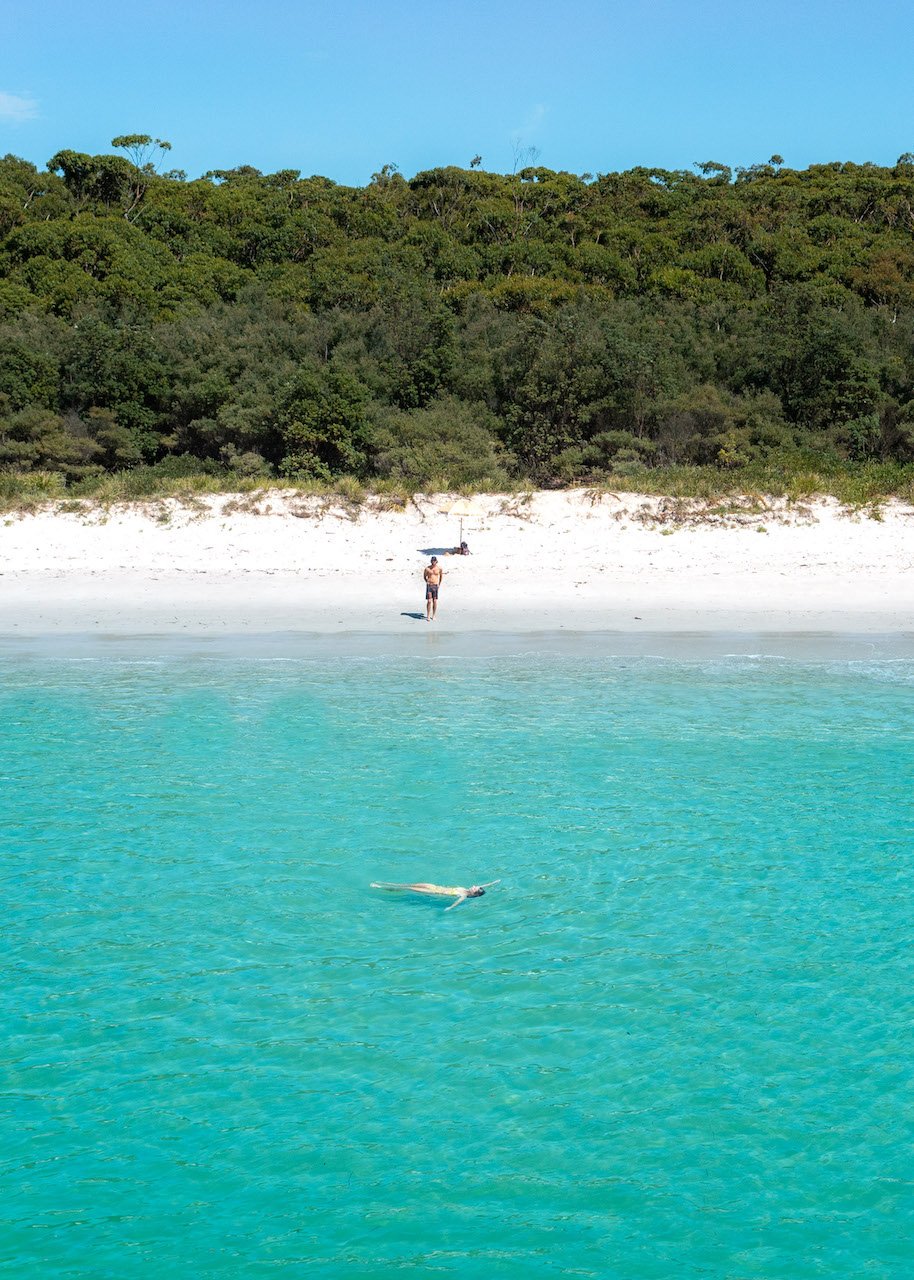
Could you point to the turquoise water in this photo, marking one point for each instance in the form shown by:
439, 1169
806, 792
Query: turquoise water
675, 1041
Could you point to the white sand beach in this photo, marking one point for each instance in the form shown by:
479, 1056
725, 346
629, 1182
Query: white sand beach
575, 560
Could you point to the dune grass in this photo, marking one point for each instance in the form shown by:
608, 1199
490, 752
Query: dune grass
854, 485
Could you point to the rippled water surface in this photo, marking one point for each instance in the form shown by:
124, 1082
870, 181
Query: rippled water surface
675, 1041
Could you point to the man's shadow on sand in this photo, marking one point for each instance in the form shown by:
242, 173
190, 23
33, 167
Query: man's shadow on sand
418, 616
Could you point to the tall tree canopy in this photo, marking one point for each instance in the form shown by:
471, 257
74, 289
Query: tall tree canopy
459, 326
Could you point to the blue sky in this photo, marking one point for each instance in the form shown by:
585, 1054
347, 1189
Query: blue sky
343, 88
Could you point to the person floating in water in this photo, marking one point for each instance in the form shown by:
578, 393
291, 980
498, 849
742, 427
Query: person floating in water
433, 574
439, 890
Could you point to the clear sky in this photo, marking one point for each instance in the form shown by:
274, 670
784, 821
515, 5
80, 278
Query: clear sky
343, 88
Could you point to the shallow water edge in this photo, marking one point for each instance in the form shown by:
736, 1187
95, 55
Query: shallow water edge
681, 646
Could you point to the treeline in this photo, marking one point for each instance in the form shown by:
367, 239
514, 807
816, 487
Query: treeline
457, 328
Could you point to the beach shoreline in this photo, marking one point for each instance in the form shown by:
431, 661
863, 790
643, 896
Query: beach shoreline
211, 650
545, 562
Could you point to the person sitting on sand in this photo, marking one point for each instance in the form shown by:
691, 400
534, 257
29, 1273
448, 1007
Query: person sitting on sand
432, 575
462, 550
439, 890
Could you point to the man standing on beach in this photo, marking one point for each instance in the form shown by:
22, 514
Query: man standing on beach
433, 575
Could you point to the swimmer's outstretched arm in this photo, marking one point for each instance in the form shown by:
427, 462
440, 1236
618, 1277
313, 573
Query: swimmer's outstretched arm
462, 898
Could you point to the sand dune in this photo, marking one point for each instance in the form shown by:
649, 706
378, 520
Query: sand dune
570, 560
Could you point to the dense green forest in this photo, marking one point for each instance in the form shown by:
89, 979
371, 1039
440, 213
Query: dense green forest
459, 328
